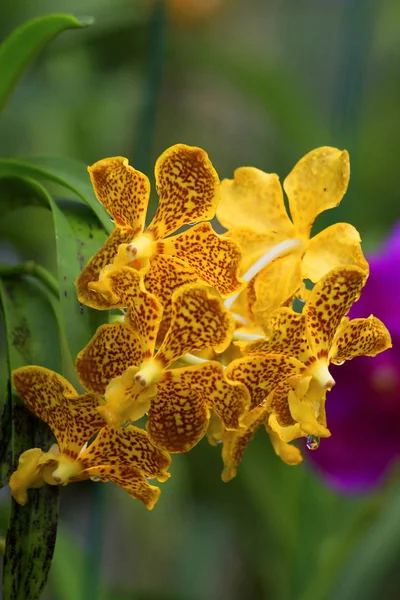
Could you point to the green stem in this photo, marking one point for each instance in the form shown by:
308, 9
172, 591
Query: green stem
34, 270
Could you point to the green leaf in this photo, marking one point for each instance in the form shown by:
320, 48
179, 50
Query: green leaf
70, 174
78, 235
24, 43
33, 338
5, 410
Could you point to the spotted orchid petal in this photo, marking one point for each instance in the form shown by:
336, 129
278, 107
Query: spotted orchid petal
127, 447
144, 312
286, 333
235, 442
214, 258
316, 183
329, 301
178, 415
73, 419
360, 337
261, 374
123, 191
199, 321
166, 275
109, 353
91, 272
188, 189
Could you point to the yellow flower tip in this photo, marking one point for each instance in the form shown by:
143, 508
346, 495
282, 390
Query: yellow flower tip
150, 373
29, 473
314, 428
66, 469
152, 501
228, 474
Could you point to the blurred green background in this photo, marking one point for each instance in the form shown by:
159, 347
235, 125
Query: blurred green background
253, 82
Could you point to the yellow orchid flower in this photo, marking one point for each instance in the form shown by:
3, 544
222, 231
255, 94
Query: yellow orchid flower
252, 209
288, 371
188, 189
234, 443
120, 363
126, 457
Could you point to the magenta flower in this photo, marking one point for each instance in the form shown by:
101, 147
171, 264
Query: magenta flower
363, 410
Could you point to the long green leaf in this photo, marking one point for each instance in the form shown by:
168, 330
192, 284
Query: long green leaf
70, 174
33, 338
25, 42
78, 235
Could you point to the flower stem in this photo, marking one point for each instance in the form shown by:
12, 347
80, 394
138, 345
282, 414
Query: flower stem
34, 270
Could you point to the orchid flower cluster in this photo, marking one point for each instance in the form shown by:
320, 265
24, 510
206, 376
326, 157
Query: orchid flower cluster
216, 335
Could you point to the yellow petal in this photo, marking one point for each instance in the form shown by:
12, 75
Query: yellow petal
276, 285
308, 410
167, 274
216, 429
112, 349
278, 406
290, 455
235, 442
214, 258
125, 400
361, 337
178, 415
285, 334
29, 473
188, 188
129, 478
261, 374
96, 264
286, 433
336, 246
72, 418
129, 446
199, 321
329, 301
229, 400
253, 200
144, 310
122, 190
253, 244
317, 182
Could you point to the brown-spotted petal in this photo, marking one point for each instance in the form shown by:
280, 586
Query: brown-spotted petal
214, 258
329, 301
112, 349
200, 321
360, 337
72, 418
144, 311
122, 190
178, 415
188, 189
131, 479
91, 272
129, 446
262, 373
235, 442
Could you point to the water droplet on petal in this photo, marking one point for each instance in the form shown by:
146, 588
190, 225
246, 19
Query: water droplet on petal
312, 442
95, 478
338, 364
125, 424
